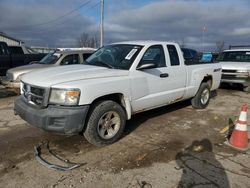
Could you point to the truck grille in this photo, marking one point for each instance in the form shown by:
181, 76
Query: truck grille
228, 76
228, 71
35, 95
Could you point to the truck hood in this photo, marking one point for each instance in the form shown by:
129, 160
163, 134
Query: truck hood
17, 71
235, 65
68, 73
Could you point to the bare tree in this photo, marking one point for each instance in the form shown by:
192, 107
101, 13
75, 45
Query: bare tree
220, 46
86, 40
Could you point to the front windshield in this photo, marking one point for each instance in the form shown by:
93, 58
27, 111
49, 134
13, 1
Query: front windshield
236, 56
50, 58
117, 56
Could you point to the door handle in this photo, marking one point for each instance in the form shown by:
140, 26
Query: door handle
164, 75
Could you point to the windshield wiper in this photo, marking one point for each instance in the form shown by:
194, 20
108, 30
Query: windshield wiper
102, 63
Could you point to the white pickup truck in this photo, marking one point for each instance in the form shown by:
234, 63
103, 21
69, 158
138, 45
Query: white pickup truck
117, 81
236, 67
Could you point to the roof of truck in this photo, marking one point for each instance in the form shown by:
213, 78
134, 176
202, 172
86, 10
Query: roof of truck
71, 51
76, 49
144, 42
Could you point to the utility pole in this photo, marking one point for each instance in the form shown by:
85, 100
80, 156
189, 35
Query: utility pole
204, 29
102, 23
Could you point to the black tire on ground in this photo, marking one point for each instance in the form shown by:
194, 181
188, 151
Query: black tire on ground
197, 101
97, 114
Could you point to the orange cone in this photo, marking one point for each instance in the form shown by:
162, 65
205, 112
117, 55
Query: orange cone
239, 137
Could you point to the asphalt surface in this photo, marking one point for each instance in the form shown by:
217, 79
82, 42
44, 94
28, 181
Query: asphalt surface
172, 146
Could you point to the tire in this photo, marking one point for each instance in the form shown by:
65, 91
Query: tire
246, 89
202, 97
105, 124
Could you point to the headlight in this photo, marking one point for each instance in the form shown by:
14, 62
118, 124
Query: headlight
243, 71
21, 88
64, 96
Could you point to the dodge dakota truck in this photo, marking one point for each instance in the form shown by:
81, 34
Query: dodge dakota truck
236, 67
115, 82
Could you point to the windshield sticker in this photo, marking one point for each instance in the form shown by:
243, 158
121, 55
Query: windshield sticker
247, 53
130, 54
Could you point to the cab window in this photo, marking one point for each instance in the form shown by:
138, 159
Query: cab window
174, 58
70, 59
86, 55
155, 55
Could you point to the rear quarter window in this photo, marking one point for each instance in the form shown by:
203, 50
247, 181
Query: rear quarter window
174, 58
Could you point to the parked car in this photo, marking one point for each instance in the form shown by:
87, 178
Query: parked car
60, 57
14, 56
114, 83
236, 67
191, 56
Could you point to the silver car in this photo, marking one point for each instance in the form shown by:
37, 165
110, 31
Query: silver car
57, 58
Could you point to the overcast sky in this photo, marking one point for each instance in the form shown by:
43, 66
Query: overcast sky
60, 22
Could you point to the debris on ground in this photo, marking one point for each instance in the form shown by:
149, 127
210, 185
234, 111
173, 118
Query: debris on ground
41, 160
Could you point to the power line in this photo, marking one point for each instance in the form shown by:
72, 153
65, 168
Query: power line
60, 17
59, 23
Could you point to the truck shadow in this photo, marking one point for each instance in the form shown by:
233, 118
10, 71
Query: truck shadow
200, 167
140, 118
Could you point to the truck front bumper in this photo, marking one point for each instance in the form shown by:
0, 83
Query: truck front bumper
235, 78
59, 119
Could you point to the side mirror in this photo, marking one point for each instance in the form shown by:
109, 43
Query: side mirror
146, 66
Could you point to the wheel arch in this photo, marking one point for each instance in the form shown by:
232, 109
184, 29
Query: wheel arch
208, 79
119, 98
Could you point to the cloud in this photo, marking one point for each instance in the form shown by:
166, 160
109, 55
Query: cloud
241, 31
32, 21
168, 20
183, 21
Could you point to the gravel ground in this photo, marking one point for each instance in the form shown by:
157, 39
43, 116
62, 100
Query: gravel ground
173, 146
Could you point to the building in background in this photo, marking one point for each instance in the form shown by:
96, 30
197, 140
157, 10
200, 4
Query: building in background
11, 41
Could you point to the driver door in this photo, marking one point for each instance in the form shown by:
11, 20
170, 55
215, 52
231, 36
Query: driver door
150, 87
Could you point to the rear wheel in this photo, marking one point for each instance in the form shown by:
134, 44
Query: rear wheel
105, 124
202, 97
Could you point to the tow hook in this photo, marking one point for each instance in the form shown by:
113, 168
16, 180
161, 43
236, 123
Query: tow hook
69, 165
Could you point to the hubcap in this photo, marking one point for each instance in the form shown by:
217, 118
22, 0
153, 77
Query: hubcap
205, 96
109, 124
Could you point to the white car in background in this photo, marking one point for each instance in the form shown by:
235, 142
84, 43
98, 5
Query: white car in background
66, 56
236, 67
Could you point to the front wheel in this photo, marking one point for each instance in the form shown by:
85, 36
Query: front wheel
202, 97
105, 124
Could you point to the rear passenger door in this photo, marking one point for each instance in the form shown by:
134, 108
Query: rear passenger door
177, 72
